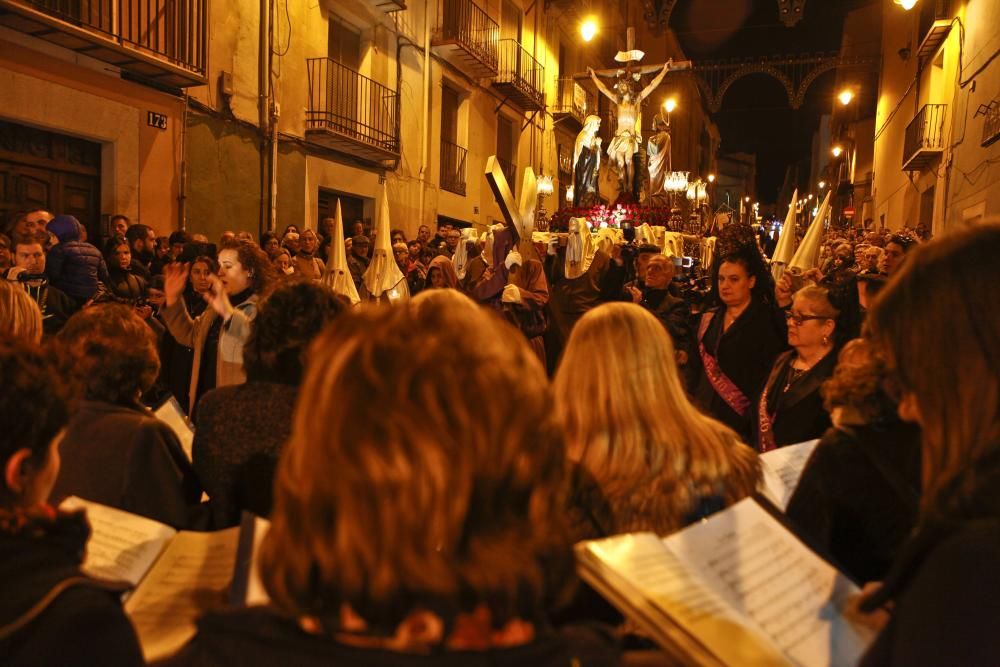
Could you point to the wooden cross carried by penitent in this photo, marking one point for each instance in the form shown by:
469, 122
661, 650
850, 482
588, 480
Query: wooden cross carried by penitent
520, 219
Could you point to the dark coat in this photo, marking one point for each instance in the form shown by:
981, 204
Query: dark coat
126, 284
672, 312
798, 413
745, 353
944, 585
50, 612
77, 268
260, 636
240, 432
858, 495
125, 457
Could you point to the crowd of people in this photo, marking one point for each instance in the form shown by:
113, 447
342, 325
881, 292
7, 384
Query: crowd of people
427, 464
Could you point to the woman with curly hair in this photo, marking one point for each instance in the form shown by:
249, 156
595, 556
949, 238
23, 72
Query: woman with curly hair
858, 494
241, 428
115, 452
659, 463
418, 516
219, 334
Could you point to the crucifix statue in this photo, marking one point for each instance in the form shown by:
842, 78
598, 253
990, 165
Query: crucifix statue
624, 146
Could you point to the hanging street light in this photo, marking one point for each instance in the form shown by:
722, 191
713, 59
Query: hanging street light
588, 29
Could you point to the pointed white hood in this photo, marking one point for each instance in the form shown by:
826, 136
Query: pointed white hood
785, 249
338, 276
383, 275
580, 248
807, 255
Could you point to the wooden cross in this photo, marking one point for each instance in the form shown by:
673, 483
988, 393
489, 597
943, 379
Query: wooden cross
520, 219
628, 67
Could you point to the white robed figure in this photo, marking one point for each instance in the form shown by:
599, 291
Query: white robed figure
383, 279
338, 275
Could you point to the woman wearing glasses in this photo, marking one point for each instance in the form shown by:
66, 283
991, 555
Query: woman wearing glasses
791, 409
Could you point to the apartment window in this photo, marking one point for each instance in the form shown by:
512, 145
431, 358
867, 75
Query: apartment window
510, 21
507, 149
344, 43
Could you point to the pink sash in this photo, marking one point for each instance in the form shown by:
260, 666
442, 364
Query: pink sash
765, 422
722, 385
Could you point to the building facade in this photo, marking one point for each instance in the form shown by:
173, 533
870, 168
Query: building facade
936, 158
235, 115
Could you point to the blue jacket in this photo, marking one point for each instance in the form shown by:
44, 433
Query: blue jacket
77, 268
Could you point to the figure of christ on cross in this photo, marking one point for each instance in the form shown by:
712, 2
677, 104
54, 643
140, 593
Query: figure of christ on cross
625, 143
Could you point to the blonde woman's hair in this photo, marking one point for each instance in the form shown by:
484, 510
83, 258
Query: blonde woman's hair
425, 470
19, 314
630, 424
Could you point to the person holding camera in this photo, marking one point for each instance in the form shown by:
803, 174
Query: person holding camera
29, 272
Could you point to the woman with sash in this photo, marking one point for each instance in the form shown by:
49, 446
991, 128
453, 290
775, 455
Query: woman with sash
737, 344
790, 408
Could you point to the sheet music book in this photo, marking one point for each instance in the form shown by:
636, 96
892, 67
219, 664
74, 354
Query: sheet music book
735, 589
176, 575
171, 413
782, 468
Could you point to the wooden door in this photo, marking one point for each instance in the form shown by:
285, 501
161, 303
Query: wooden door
352, 209
41, 169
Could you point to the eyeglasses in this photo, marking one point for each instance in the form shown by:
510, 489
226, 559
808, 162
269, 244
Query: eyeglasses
799, 319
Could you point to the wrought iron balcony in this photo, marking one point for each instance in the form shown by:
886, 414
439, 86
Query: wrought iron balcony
520, 76
509, 170
467, 38
350, 113
387, 6
160, 41
453, 167
935, 24
573, 102
924, 141
991, 124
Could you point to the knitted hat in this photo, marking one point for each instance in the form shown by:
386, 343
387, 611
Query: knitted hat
65, 228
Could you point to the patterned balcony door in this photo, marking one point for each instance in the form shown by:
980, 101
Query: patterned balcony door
511, 20
40, 169
343, 82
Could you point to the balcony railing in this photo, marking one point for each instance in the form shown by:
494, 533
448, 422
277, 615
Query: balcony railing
991, 124
573, 101
519, 76
351, 113
453, 167
468, 38
935, 24
924, 137
509, 170
157, 40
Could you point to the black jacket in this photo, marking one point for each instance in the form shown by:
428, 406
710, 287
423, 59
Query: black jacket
745, 353
673, 312
259, 636
858, 495
50, 613
125, 457
240, 432
944, 585
798, 413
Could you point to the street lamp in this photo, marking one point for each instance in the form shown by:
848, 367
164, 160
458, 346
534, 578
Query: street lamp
670, 104
837, 150
711, 178
845, 96
588, 28
822, 184
906, 4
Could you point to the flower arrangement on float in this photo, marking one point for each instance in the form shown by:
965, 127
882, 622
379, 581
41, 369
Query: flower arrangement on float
614, 216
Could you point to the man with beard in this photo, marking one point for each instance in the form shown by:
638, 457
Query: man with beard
142, 242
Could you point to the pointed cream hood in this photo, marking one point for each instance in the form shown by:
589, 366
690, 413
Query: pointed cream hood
338, 275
